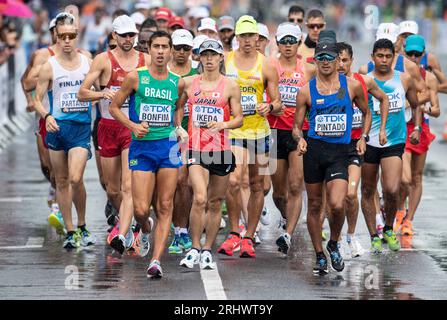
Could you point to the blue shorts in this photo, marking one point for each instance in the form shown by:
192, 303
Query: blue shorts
152, 155
70, 135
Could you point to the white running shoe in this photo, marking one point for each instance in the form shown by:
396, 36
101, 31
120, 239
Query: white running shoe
282, 224
257, 238
265, 217
223, 223
284, 243
154, 270
130, 238
192, 258
355, 247
206, 261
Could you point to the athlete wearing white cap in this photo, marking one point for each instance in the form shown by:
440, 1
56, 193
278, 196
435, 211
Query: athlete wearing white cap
208, 27
264, 38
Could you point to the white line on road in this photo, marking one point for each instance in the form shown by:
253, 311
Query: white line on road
32, 243
213, 284
18, 199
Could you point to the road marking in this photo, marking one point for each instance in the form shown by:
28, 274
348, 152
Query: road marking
18, 199
213, 284
32, 243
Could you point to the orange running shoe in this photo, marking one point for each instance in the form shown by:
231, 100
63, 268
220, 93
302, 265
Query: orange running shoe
400, 215
247, 248
407, 228
232, 244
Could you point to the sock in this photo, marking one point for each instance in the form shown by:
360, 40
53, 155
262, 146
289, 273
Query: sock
82, 227
332, 245
70, 233
183, 230
375, 235
320, 255
177, 231
386, 228
379, 219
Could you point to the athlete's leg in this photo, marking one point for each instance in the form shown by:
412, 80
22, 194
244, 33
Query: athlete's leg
392, 177
126, 209
279, 181
369, 188
245, 190
142, 185
111, 168
216, 193
100, 171
44, 158
166, 184
417, 169
314, 198
352, 201
199, 181
233, 196
77, 160
295, 186
406, 179
336, 194
182, 200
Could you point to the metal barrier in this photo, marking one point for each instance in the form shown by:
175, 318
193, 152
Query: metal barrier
14, 119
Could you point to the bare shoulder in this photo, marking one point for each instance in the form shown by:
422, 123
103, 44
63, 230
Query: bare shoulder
41, 56
85, 53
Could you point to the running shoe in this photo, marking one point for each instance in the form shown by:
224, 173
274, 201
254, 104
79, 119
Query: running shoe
400, 215
376, 245
407, 228
143, 244
232, 244
192, 258
355, 247
154, 270
223, 223
265, 217
175, 248
247, 248
336, 259
130, 239
380, 223
223, 208
56, 221
113, 233
87, 238
323, 235
257, 238
206, 261
321, 267
118, 243
283, 243
185, 241
72, 241
390, 238
108, 209
282, 224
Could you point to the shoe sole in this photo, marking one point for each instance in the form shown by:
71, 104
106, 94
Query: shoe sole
175, 252
246, 255
321, 272
70, 247
282, 245
55, 223
157, 275
223, 251
185, 265
117, 245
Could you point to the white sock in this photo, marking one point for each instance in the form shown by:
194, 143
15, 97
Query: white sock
379, 219
177, 231
183, 230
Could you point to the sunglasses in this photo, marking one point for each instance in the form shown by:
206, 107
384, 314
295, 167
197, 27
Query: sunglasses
112, 46
296, 20
211, 45
318, 26
70, 36
288, 40
416, 54
182, 46
127, 35
325, 57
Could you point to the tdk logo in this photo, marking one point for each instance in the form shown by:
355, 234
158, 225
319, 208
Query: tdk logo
393, 96
155, 109
208, 110
247, 99
333, 118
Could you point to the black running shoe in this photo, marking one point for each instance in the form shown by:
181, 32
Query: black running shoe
283, 243
108, 209
336, 259
117, 243
321, 267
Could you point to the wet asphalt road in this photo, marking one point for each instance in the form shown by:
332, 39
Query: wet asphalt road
39, 270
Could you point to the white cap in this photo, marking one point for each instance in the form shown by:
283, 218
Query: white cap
207, 24
198, 41
155, 4
408, 26
288, 29
124, 24
263, 30
388, 31
200, 12
138, 18
52, 24
143, 4
182, 36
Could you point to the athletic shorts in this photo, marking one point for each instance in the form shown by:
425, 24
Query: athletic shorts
113, 138
354, 158
43, 132
153, 155
283, 144
373, 155
325, 161
70, 135
259, 146
95, 133
220, 163
426, 139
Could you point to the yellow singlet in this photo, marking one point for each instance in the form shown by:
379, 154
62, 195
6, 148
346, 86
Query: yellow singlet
251, 83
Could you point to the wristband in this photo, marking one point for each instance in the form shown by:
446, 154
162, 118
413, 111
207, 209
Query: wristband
46, 116
271, 107
417, 128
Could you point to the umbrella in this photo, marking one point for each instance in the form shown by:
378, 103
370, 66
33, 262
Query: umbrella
15, 8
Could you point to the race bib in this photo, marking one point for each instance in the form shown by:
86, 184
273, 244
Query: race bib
202, 115
157, 115
126, 103
70, 103
249, 103
288, 95
330, 125
357, 118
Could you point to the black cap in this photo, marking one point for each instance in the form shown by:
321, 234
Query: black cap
326, 48
327, 36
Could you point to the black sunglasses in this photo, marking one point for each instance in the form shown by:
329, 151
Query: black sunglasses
316, 25
296, 20
416, 54
182, 46
127, 35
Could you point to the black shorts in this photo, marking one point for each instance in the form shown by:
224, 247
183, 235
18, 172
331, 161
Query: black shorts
283, 144
217, 163
325, 161
259, 146
373, 155
95, 133
354, 158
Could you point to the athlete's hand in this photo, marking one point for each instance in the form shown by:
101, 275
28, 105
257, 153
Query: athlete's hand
415, 137
216, 126
280, 112
263, 109
361, 147
382, 138
140, 129
302, 146
182, 134
30, 106
51, 124
109, 95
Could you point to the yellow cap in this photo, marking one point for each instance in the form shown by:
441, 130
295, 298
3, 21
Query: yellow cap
246, 24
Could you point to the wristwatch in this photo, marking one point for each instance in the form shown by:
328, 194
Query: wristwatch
366, 137
271, 107
417, 128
